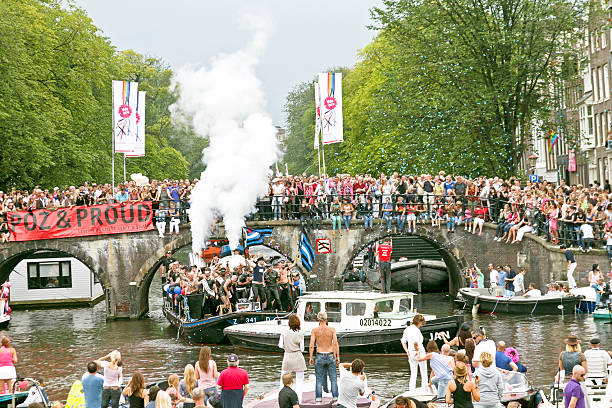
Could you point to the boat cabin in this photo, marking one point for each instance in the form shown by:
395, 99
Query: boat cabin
360, 308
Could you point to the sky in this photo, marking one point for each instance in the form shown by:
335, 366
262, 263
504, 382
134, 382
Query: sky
307, 36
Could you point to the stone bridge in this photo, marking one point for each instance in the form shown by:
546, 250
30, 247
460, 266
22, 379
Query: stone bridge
125, 264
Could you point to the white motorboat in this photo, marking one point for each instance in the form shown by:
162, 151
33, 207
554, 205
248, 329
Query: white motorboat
365, 322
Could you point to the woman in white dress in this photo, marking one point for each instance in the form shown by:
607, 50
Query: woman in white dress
292, 341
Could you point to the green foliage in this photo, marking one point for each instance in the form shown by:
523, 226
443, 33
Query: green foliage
56, 70
450, 85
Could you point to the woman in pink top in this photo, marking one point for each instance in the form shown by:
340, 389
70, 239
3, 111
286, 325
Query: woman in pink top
8, 358
206, 373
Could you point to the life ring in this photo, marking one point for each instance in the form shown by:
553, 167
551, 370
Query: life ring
512, 353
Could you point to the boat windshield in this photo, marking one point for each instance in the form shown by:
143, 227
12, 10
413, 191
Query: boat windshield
515, 382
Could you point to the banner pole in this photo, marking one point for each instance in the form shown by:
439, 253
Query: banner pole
113, 148
319, 159
124, 178
323, 154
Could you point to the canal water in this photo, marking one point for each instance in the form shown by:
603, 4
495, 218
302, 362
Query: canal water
56, 344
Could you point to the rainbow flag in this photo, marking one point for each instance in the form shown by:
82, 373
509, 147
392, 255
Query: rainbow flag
552, 140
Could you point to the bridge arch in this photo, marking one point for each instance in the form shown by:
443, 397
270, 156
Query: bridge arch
451, 255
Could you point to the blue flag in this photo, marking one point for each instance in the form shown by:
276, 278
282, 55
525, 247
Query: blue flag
256, 236
308, 255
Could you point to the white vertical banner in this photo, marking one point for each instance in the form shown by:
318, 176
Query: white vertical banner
317, 115
330, 88
125, 97
139, 142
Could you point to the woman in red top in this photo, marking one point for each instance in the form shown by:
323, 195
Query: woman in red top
8, 358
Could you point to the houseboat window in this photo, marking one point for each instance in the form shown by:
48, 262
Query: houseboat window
333, 310
384, 306
405, 305
355, 309
43, 275
311, 310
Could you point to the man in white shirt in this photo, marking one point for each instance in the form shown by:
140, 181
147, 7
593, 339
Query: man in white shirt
482, 344
586, 230
412, 341
597, 360
533, 292
492, 276
352, 385
519, 282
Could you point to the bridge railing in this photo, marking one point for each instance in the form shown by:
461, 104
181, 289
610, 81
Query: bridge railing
321, 208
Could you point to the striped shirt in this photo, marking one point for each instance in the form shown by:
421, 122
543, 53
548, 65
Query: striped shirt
439, 365
597, 362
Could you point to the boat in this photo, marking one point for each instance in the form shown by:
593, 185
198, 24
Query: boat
483, 300
270, 399
419, 275
194, 326
603, 313
516, 388
588, 302
365, 322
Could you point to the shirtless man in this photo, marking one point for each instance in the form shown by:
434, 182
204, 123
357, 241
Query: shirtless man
328, 356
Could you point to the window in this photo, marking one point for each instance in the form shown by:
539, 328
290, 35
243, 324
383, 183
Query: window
384, 306
311, 311
595, 83
590, 119
596, 127
405, 305
44, 275
604, 38
334, 311
600, 94
606, 84
355, 309
604, 130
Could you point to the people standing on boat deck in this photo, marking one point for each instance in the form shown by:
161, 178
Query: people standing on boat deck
480, 279
113, 376
287, 397
292, 341
482, 344
352, 385
271, 285
8, 358
491, 384
257, 284
327, 357
501, 280
518, 282
533, 292
243, 284
502, 361
384, 265
572, 356
412, 342
571, 266
233, 383
461, 390
492, 276
136, 392
166, 262
92, 386
510, 274
206, 372
573, 396
597, 360
441, 367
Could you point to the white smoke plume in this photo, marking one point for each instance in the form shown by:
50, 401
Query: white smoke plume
225, 102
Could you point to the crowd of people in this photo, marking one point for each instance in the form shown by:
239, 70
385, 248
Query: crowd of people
579, 216
273, 283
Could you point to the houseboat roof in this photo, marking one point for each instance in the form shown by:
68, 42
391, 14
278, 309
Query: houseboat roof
345, 294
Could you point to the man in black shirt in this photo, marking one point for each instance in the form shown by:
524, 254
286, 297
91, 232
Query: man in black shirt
272, 294
287, 398
571, 266
257, 282
243, 285
166, 266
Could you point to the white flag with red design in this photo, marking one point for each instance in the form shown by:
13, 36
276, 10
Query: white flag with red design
125, 98
330, 89
317, 115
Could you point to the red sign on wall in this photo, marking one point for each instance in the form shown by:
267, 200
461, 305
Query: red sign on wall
80, 221
323, 246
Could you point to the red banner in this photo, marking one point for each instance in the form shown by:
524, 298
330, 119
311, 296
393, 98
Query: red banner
80, 221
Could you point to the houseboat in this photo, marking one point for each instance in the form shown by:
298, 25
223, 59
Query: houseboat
46, 280
365, 322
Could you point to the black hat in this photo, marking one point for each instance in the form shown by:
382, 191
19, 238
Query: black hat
261, 258
595, 340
